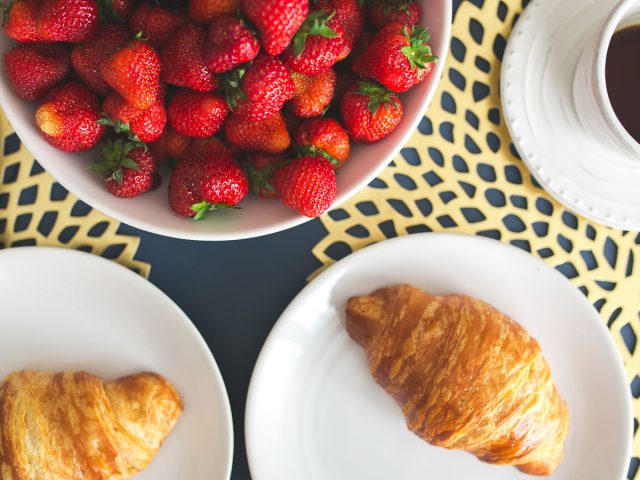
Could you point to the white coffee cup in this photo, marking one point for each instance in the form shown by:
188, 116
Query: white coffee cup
590, 87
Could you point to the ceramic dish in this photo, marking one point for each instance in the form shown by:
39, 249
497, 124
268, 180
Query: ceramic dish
151, 211
66, 310
546, 116
313, 387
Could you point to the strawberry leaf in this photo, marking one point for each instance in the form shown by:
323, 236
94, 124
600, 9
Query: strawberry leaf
314, 24
230, 85
378, 94
418, 52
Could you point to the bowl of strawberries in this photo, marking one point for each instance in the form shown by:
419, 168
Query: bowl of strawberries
219, 120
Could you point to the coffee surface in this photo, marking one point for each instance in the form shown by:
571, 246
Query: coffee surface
623, 78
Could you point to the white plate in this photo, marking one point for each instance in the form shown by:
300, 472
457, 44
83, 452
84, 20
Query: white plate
67, 310
539, 64
314, 411
151, 211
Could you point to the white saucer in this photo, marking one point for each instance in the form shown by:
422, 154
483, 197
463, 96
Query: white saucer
314, 411
67, 310
538, 69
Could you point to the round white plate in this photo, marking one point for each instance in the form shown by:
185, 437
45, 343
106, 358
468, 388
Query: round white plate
151, 211
538, 69
67, 310
314, 411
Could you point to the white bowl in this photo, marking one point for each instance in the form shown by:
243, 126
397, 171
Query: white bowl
151, 211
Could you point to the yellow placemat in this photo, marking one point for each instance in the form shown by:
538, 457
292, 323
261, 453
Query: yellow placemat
460, 173
35, 210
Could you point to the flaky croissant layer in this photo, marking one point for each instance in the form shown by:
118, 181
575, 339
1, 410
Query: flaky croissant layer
466, 376
71, 425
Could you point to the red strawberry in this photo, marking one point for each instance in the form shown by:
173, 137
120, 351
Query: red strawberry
313, 93
158, 24
277, 21
35, 68
268, 136
197, 114
67, 118
349, 14
323, 136
260, 168
202, 147
307, 184
260, 91
87, 57
20, 20
204, 11
128, 170
134, 72
318, 45
205, 179
141, 125
170, 145
370, 111
383, 12
183, 60
230, 44
67, 20
399, 57
119, 10
223, 184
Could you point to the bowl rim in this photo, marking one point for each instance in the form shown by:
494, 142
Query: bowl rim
294, 220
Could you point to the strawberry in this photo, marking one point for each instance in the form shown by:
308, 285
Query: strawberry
67, 20
399, 57
268, 136
133, 71
128, 170
230, 44
140, 125
87, 57
67, 118
370, 111
383, 12
205, 179
33, 69
204, 11
277, 21
170, 145
349, 14
20, 20
223, 184
318, 45
260, 91
197, 114
183, 60
260, 168
323, 136
118, 10
307, 184
156, 23
313, 93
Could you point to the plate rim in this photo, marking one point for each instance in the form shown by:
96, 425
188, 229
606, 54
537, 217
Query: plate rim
185, 322
335, 269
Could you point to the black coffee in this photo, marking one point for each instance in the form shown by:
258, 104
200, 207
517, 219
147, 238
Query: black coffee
623, 78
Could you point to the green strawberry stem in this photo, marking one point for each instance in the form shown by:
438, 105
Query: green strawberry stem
315, 24
313, 151
121, 127
202, 208
379, 95
418, 52
107, 12
259, 179
113, 158
389, 6
230, 85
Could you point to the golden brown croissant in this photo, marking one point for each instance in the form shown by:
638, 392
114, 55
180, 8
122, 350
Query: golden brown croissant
71, 425
466, 376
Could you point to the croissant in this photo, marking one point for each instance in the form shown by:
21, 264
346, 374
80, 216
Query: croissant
71, 425
466, 376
